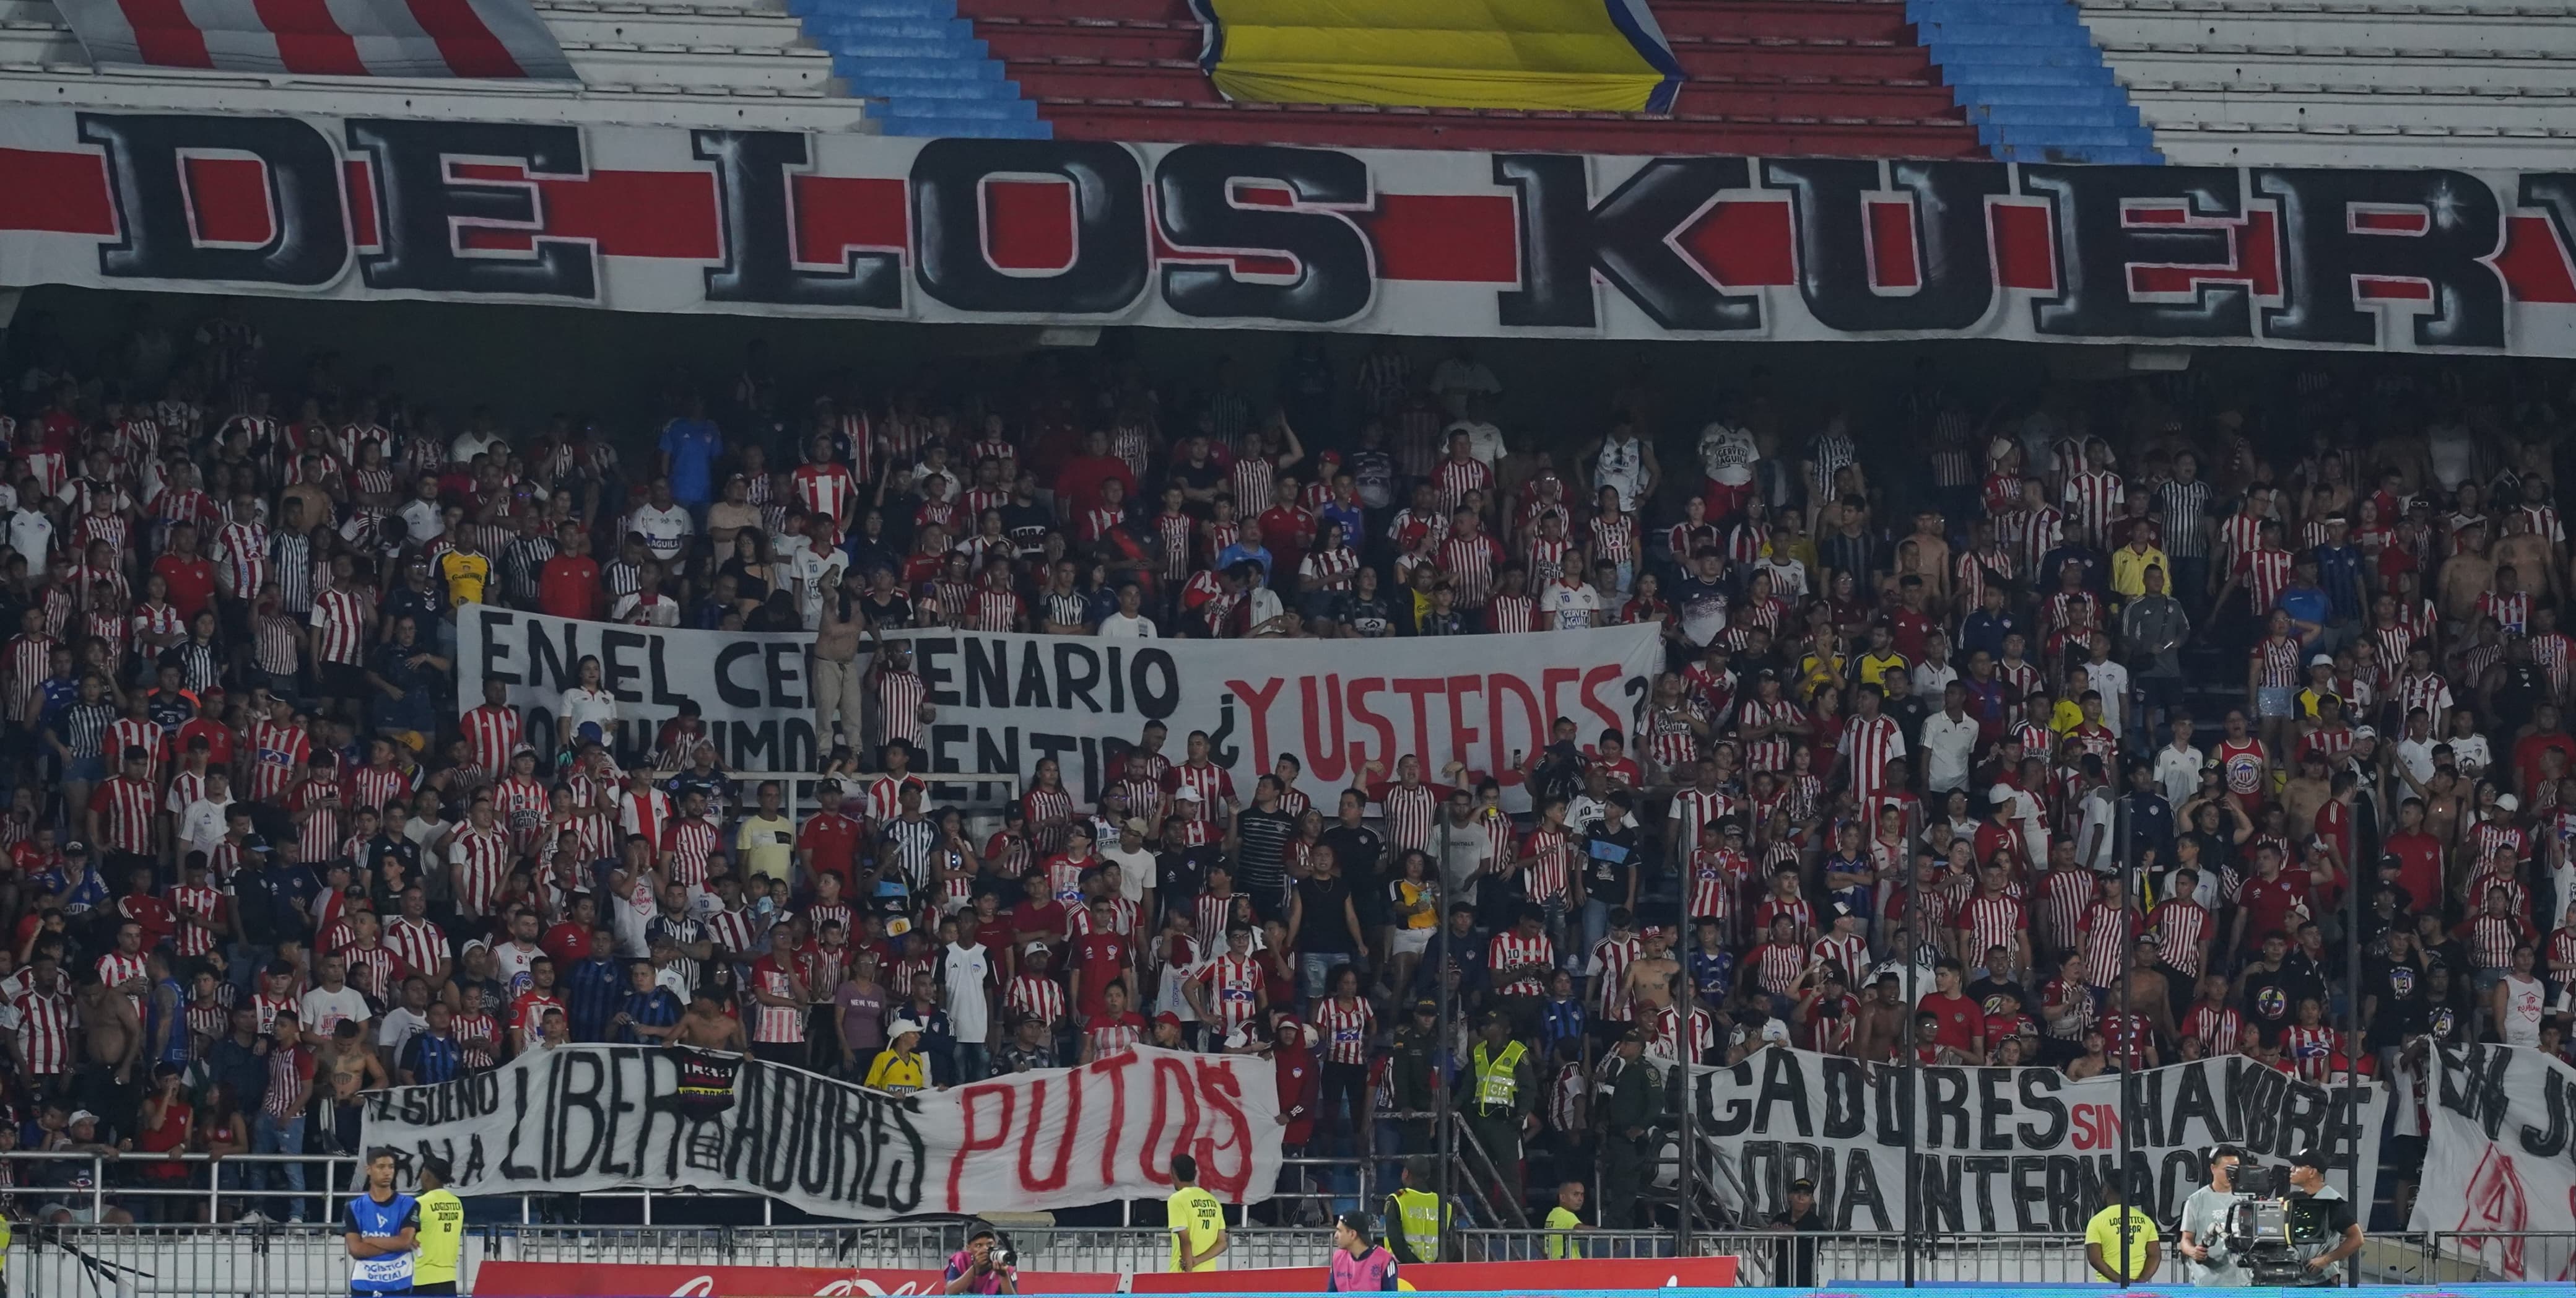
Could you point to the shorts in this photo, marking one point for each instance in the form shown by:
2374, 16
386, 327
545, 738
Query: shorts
342, 680
92, 769
1412, 941
2276, 701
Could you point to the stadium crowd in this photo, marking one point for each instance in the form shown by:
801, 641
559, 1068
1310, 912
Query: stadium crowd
1942, 664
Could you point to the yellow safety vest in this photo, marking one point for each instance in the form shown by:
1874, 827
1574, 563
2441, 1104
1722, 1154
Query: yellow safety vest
1498, 1080
442, 1237
1417, 1218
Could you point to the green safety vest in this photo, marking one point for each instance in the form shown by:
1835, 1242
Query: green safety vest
1417, 1217
1498, 1079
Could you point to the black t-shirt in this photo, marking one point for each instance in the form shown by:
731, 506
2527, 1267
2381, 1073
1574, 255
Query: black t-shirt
2272, 996
2404, 1003
1999, 997
1322, 928
1371, 616
1027, 526
1608, 856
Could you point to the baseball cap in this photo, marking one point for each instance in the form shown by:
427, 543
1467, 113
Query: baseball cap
2321, 660
1167, 1018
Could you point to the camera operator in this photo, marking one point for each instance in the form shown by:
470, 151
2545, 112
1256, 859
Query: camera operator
983, 1266
2308, 1183
2206, 1259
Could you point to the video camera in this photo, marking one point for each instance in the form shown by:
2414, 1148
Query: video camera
2271, 1235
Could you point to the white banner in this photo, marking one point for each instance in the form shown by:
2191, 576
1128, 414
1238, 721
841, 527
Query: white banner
1006, 701
1425, 242
2500, 1164
584, 1118
2006, 1149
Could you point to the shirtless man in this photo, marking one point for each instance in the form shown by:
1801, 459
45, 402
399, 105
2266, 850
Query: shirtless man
345, 1066
838, 686
2149, 993
2466, 575
706, 1026
1931, 560
2524, 550
2304, 794
1882, 1015
1648, 981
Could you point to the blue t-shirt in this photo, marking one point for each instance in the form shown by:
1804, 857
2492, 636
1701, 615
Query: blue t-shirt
368, 1219
693, 445
2304, 604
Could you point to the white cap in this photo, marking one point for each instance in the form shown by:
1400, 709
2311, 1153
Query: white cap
2508, 802
1185, 794
2360, 733
2002, 793
896, 1030
2321, 660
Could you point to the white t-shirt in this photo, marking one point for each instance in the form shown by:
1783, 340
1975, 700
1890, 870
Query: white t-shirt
1484, 441
1119, 626
2111, 680
664, 530
320, 1011
396, 1029
422, 520
1135, 871
2178, 772
586, 705
1727, 455
632, 912
201, 826
968, 969
510, 964
2099, 808
469, 444
1575, 606
31, 533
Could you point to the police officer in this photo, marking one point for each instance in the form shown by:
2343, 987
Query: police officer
1415, 1216
1498, 1091
1629, 1104
1411, 1075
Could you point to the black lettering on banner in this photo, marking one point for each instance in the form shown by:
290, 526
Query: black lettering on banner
1828, 210
2027, 1191
1565, 238
1074, 684
1033, 683
1785, 1081
2554, 193
1861, 1193
1993, 1107
2180, 1173
425, 209
948, 222
1194, 192
493, 653
2039, 1087
785, 660
1155, 682
148, 182
1732, 1116
1982, 1171
2323, 254
2303, 1120
577, 1077
988, 673
2097, 246
1846, 1098
617, 672
2549, 1141
2143, 1106
1945, 1096
2194, 1103
755, 173
1937, 1184
2068, 1208
735, 693
944, 740
659, 673
547, 668
936, 675
997, 752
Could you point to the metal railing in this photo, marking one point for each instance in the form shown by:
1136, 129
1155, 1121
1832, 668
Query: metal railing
310, 1260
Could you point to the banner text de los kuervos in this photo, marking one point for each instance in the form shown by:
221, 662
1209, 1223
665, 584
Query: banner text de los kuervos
1423, 242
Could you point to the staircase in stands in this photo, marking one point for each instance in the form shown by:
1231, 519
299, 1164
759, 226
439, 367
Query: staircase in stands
1778, 77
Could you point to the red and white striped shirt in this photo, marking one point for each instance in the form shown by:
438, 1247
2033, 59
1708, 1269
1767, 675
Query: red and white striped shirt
482, 858
472, 1032
1454, 478
493, 730
1409, 811
688, 842
1345, 1030
201, 903
2219, 1028
1611, 957
241, 549
1993, 921
340, 624
1547, 857
378, 786
2180, 925
1873, 742
1770, 753
1471, 563
1512, 614
1230, 981
826, 490
1509, 951
127, 806
2109, 933
2266, 572
775, 1024
2277, 662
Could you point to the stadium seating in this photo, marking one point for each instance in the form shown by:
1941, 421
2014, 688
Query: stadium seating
1765, 76
2344, 83
708, 63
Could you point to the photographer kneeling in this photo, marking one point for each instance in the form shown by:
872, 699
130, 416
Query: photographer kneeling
983, 1266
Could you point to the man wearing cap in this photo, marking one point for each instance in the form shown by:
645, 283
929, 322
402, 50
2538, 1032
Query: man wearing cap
1630, 1099
2308, 1184
1797, 1265
441, 1237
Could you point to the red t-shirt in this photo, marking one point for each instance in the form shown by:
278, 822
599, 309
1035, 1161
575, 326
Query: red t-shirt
1962, 1022
192, 583
565, 943
219, 740
1101, 957
2419, 869
1032, 921
830, 840
2267, 905
569, 587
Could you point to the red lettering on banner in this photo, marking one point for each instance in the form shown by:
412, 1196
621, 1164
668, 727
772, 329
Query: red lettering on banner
1218, 1088
2533, 263
1323, 757
1171, 1077
1462, 737
1117, 1073
2097, 1126
1028, 225
973, 1144
1551, 680
1361, 687
1419, 689
1446, 238
1506, 771
359, 180
1593, 680
835, 214
1256, 710
61, 193
228, 205
1056, 1175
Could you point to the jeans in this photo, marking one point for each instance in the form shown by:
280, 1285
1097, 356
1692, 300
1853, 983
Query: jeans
974, 1062
270, 1134
1313, 967
1596, 921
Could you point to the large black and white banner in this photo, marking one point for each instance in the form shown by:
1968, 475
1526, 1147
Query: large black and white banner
584, 1118
2006, 1149
2500, 1161
1424, 242
1004, 702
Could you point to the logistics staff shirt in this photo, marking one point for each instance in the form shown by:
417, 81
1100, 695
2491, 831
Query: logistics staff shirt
1196, 1218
